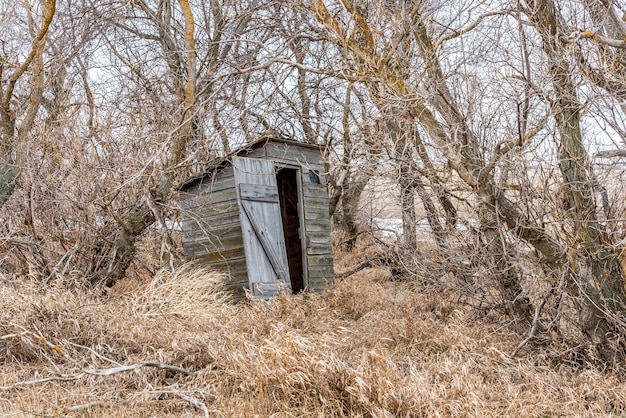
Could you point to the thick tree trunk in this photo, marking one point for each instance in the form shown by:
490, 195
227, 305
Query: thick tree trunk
9, 175
603, 293
13, 138
403, 158
435, 183
432, 214
409, 222
507, 274
115, 248
350, 202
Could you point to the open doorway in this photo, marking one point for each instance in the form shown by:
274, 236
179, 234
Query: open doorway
287, 180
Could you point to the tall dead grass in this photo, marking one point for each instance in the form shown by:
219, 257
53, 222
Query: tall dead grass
191, 290
367, 348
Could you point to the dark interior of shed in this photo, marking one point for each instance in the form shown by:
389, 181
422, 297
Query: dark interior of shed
287, 180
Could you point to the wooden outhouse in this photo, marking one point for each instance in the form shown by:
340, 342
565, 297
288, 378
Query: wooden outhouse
261, 215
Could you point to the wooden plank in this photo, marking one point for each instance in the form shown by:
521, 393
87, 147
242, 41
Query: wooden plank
233, 261
318, 250
222, 180
216, 222
234, 266
224, 230
304, 156
258, 192
213, 245
199, 202
264, 290
320, 259
217, 210
321, 272
320, 276
314, 190
316, 203
319, 284
214, 179
318, 236
210, 255
226, 195
261, 222
319, 207
321, 226
213, 222
317, 214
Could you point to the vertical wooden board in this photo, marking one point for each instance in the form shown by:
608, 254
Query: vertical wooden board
261, 224
319, 260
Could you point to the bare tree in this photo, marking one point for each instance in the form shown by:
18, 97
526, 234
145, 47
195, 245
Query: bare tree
412, 56
23, 78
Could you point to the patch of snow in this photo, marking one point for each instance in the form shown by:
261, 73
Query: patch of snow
387, 228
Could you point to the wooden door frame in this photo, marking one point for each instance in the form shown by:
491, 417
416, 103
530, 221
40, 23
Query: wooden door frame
278, 165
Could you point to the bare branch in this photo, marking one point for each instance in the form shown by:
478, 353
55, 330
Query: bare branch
586, 34
614, 153
460, 32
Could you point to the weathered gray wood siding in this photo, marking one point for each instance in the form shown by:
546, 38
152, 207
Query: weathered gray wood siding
318, 251
212, 226
317, 224
212, 231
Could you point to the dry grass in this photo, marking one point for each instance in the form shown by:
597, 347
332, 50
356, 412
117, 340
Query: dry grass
189, 291
369, 347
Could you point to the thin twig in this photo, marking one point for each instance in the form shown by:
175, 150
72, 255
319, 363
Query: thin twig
194, 401
47, 379
94, 352
83, 371
59, 412
533, 329
115, 370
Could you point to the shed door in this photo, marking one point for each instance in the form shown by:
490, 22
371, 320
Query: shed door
262, 226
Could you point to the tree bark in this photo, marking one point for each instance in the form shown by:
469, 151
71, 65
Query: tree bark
13, 138
607, 297
117, 243
460, 148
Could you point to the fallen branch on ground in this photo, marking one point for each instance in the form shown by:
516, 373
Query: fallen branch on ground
39, 338
388, 258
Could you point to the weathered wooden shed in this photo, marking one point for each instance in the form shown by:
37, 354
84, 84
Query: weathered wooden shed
261, 215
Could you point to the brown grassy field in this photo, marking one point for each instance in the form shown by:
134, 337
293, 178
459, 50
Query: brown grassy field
369, 347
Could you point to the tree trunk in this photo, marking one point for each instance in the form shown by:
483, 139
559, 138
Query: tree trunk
608, 299
403, 158
115, 248
455, 139
350, 202
435, 183
13, 139
10, 170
